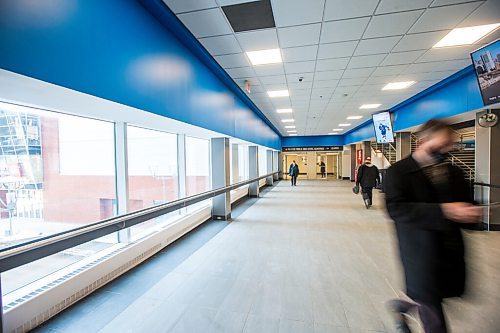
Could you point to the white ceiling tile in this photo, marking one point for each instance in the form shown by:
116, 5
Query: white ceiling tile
302, 53
331, 64
401, 58
300, 35
380, 79
389, 70
230, 2
441, 18
438, 3
346, 89
420, 41
389, 6
376, 45
391, 24
299, 67
278, 79
342, 9
205, 23
325, 84
299, 91
437, 66
180, 6
258, 40
366, 61
240, 72
352, 82
233, 60
274, 86
328, 75
300, 85
336, 50
339, 31
447, 53
295, 12
487, 13
430, 76
358, 72
306, 77
221, 44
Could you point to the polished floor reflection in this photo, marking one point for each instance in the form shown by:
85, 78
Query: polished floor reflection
305, 259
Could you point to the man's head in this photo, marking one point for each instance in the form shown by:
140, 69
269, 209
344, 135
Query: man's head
368, 160
293, 161
435, 137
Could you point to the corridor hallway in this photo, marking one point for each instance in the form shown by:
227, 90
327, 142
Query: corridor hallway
309, 258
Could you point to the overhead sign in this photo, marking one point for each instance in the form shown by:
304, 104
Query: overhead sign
320, 148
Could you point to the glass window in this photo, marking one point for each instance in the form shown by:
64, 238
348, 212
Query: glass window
57, 172
152, 173
197, 165
243, 162
262, 161
197, 169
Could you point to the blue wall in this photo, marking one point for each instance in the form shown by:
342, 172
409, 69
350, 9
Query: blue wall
311, 141
117, 50
454, 95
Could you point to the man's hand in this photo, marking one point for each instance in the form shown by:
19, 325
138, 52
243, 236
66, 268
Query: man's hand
462, 212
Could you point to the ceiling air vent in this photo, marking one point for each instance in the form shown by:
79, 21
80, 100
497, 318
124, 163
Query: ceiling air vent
250, 15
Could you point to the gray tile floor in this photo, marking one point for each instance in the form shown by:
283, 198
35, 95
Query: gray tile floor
304, 259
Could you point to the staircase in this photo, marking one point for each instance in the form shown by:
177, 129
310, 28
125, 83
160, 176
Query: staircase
387, 149
465, 159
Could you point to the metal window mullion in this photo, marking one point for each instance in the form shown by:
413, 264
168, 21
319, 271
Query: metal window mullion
121, 176
181, 169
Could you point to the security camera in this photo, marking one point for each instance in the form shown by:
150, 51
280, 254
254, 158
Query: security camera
301, 79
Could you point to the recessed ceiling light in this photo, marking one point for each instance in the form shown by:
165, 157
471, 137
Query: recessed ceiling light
337, 129
466, 36
263, 57
292, 134
284, 110
290, 126
398, 85
278, 93
292, 131
368, 106
344, 125
291, 120
354, 117
331, 133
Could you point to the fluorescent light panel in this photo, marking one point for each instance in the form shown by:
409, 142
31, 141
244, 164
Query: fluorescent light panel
290, 126
291, 120
466, 36
398, 85
263, 57
354, 117
278, 93
368, 106
292, 131
337, 129
292, 134
344, 125
284, 110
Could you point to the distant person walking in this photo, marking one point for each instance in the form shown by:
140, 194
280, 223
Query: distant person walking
430, 201
368, 176
294, 173
322, 167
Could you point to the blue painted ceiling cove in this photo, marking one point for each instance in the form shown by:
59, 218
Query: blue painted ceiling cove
117, 50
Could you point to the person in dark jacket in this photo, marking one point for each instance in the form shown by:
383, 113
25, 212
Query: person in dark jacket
368, 176
294, 173
322, 168
429, 201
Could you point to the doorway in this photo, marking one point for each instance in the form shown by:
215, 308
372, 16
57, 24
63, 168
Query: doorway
309, 164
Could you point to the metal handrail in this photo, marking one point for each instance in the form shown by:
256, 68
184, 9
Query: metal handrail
486, 185
24, 253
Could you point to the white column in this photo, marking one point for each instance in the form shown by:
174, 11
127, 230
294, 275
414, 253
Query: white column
253, 170
221, 204
269, 167
234, 163
181, 164
276, 164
